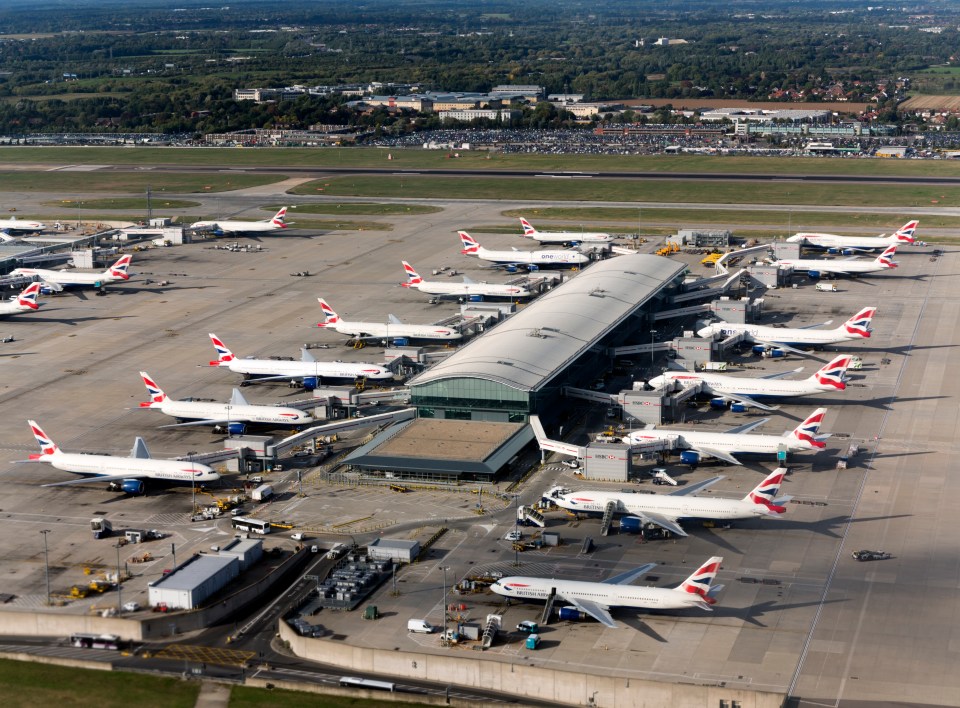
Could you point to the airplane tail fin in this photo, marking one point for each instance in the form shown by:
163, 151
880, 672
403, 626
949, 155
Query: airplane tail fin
528, 229
157, 396
331, 317
700, 581
413, 278
470, 245
119, 269
831, 376
278, 218
28, 298
806, 432
905, 234
885, 259
859, 324
224, 355
765, 493
47, 446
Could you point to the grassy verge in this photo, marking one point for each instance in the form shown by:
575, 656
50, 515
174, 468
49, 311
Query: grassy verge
27, 685
613, 190
248, 697
361, 209
126, 182
416, 158
122, 203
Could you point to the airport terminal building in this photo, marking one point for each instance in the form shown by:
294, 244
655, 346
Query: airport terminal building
520, 366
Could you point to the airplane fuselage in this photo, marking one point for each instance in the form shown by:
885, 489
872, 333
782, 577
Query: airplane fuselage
67, 278
145, 468
24, 227
393, 331
863, 243
828, 266
235, 227
433, 287
570, 237
669, 505
730, 443
12, 307
539, 258
526, 588
719, 384
783, 335
317, 369
244, 413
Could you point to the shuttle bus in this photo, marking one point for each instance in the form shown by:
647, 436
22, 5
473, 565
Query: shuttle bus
241, 523
95, 641
354, 682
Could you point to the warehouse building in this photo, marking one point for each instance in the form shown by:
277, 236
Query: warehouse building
191, 583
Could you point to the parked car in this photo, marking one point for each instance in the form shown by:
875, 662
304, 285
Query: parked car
871, 555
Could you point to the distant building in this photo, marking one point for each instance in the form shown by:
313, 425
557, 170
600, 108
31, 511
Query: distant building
395, 549
499, 114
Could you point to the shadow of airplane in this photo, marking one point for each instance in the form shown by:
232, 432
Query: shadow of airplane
73, 321
637, 623
751, 612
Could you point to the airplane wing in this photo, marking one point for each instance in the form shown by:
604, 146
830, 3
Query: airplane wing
782, 374
719, 454
394, 319
746, 428
205, 421
814, 326
598, 612
780, 345
630, 575
469, 281
96, 478
694, 488
666, 522
746, 400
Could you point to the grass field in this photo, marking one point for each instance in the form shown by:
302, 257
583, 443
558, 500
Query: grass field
407, 159
612, 190
246, 697
127, 183
361, 209
122, 203
28, 685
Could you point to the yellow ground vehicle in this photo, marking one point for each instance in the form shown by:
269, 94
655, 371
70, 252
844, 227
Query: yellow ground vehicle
667, 249
712, 259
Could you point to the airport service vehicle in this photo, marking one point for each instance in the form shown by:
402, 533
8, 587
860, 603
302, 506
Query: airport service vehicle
905, 234
563, 236
815, 267
26, 301
261, 493
866, 555
665, 510
235, 415
13, 225
788, 339
468, 289
697, 444
394, 329
531, 260
233, 226
596, 599
743, 391
308, 369
419, 625
248, 525
129, 473
59, 279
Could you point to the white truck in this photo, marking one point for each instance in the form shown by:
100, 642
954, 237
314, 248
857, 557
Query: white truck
262, 493
826, 287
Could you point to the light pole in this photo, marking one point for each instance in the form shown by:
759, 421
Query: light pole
653, 334
443, 636
193, 482
46, 562
516, 530
119, 582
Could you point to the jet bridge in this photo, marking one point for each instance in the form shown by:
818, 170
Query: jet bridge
587, 395
274, 451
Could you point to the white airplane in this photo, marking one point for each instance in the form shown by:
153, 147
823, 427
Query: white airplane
235, 415
466, 289
905, 234
815, 267
26, 301
527, 259
697, 444
665, 510
229, 226
857, 327
394, 329
308, 369
128, 472
744, 390
13, 225
59, 279
596, 599
563, 236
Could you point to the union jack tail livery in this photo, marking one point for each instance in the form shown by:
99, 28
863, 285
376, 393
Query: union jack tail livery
859, 324
28, 298
765, 493
277, 220
224, 355
699, 583
886, 258
331, 317
806, 432
157, 396
832, 375
905, 233
119, 269
528, 229
413, 278
47, 446
470, 246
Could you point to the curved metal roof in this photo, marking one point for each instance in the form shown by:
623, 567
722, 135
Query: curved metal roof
529, 348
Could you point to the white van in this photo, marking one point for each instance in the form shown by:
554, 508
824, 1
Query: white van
419, 625
337, 551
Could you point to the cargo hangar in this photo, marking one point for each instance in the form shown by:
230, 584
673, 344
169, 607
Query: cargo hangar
474, 407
